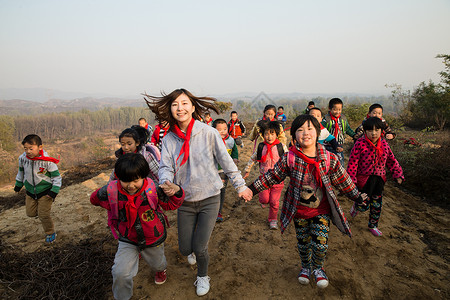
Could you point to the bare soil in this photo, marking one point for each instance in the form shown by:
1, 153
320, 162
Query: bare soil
247, 260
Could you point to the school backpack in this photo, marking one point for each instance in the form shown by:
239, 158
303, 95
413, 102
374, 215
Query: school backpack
153, 151
113, 212
261, 147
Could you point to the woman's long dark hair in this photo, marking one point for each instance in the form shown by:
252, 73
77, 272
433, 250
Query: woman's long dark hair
161, 106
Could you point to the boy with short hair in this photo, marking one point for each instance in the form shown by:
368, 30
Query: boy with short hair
143, 123
40, 175
236, 128
311, 104
281, 117
337, 124
222, 128
375, 110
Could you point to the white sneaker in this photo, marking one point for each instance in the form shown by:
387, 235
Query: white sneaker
202, 284
192, 260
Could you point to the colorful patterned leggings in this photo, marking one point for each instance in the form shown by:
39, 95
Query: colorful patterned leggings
374, 190
312, 240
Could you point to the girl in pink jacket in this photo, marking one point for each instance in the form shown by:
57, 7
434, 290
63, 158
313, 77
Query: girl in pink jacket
367, 167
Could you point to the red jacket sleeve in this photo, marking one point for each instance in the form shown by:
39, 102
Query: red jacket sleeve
155, 135
100, 198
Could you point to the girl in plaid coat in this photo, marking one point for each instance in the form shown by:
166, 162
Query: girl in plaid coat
310, 200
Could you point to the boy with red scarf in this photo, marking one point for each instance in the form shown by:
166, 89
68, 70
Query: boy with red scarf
367, 167
236, 128
134, 205
143, 123
268, 153
310, 201
40, 175
336, 123
230, 144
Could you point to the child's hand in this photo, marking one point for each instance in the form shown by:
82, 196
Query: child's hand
339, 149
399, 180
169, 188
390, 136
246, 175
247, 195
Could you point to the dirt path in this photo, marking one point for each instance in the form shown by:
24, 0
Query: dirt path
248, 261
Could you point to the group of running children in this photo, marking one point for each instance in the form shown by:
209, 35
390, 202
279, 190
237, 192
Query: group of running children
185, 165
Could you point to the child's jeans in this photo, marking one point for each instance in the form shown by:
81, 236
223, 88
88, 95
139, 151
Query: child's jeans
340, 155
196, 222
126, 265
312, 240
272, 197
41, 208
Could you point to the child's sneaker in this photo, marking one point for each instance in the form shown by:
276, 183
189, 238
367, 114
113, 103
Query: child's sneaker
50, 238
321, 278
273, 225
160, 277
202, 284
219, 218
375, 231
303, 276
192, 260
353, 211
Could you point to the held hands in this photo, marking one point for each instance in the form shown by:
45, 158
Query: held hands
246, 175
247, 195
169, 188
339, 149
399, 180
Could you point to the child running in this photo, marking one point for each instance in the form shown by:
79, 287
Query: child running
160, 131
268, 153
309, 200
366, 166
132, 140
336, 123
376, 110
134, 205
222, 128
236, 128
143, 123
208, 120
325, 137
189, 157
269, 115
281, 117
40, 175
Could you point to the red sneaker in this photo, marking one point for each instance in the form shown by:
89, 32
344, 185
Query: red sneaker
160, 277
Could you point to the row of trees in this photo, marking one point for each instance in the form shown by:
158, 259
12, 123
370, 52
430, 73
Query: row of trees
428, 105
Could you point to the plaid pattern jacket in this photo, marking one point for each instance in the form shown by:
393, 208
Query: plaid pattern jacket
336, 176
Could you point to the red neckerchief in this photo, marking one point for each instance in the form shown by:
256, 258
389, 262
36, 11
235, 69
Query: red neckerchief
224, 139
377, 147
321, 126
209, 122
336, 125
269, 150
44, 158
264, 118
130, 206
313, 165
232, 125
186, 137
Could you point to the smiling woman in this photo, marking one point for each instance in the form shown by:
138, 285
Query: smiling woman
189, 156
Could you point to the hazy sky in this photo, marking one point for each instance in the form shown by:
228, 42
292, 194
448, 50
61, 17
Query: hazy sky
215, 47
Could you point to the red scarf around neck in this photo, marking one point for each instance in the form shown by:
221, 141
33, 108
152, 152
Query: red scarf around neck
130, 206
225, 138
313, 165
377, 147
230, 130
336, 124
45, 158
269, 150
186, 137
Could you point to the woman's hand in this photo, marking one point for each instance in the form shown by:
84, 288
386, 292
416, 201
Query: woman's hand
247, 195
169, 188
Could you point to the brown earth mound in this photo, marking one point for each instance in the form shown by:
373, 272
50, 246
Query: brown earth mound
247, 260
